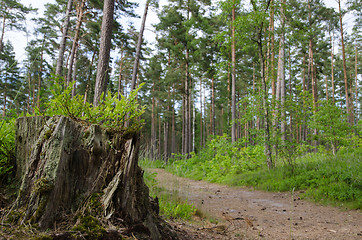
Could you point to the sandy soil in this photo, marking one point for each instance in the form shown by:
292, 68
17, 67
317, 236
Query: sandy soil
246, 214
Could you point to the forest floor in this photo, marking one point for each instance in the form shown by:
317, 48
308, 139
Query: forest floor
244, 213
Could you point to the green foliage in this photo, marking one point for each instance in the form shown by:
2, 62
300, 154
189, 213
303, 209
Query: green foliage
112, 113
171, 205
219, 160
174, 209
332, 125
7, 150
324, 177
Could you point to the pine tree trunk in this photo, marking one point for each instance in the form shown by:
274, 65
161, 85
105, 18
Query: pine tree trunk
356, 82
2, 34
212, 110
350, 114
186, 107
233, 81
80, 12
59, 67
267, 144
159, 137
327, 94
4, 109
282, 73
40, 73
201, 116
74, 79
173, 129
89, 77
332, 69
153, 124
119, 87
138, 49
104, 51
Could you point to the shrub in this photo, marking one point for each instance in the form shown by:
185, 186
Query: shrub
115, 114
7, 150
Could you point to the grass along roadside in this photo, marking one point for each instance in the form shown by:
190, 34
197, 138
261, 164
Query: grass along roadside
170, 203
324, 178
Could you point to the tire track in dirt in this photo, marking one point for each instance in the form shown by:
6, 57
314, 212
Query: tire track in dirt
265, 215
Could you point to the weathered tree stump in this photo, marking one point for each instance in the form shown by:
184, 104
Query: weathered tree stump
62, 162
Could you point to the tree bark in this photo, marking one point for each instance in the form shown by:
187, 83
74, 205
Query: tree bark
212, 109
139, 45
119, 88
356, 82
332, 68
2, 34
267, 148
350, 114
59, 67
281, 73
40, 73
201, 116
80, 11
104, 51
233, 87
153, 124
65, 165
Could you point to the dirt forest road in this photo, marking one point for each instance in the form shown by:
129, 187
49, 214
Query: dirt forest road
247, 214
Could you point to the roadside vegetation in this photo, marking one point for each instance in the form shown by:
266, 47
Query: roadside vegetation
170, 203
321, 177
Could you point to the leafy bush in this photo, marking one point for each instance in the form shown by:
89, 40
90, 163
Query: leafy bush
332, 125
7, 160
112, 113
219, 160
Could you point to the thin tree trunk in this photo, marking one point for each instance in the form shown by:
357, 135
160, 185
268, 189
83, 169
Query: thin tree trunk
350, 114
212, 110
153, 124
327, 98
4, 110
356, 82
166, 127
119, 88
193, 129
332, 69
165, 140
138, 50
159, 136
89, 77
75, 74
183, 148
80, 11
40, 73
282, 73
59, 67
186, 107
173, 125
190, 120
233, 88
201, 115
265, 103
2, 34
104, 51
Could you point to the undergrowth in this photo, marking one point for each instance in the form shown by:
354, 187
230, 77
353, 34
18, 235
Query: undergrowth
171, 205
323, 177
7, 150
